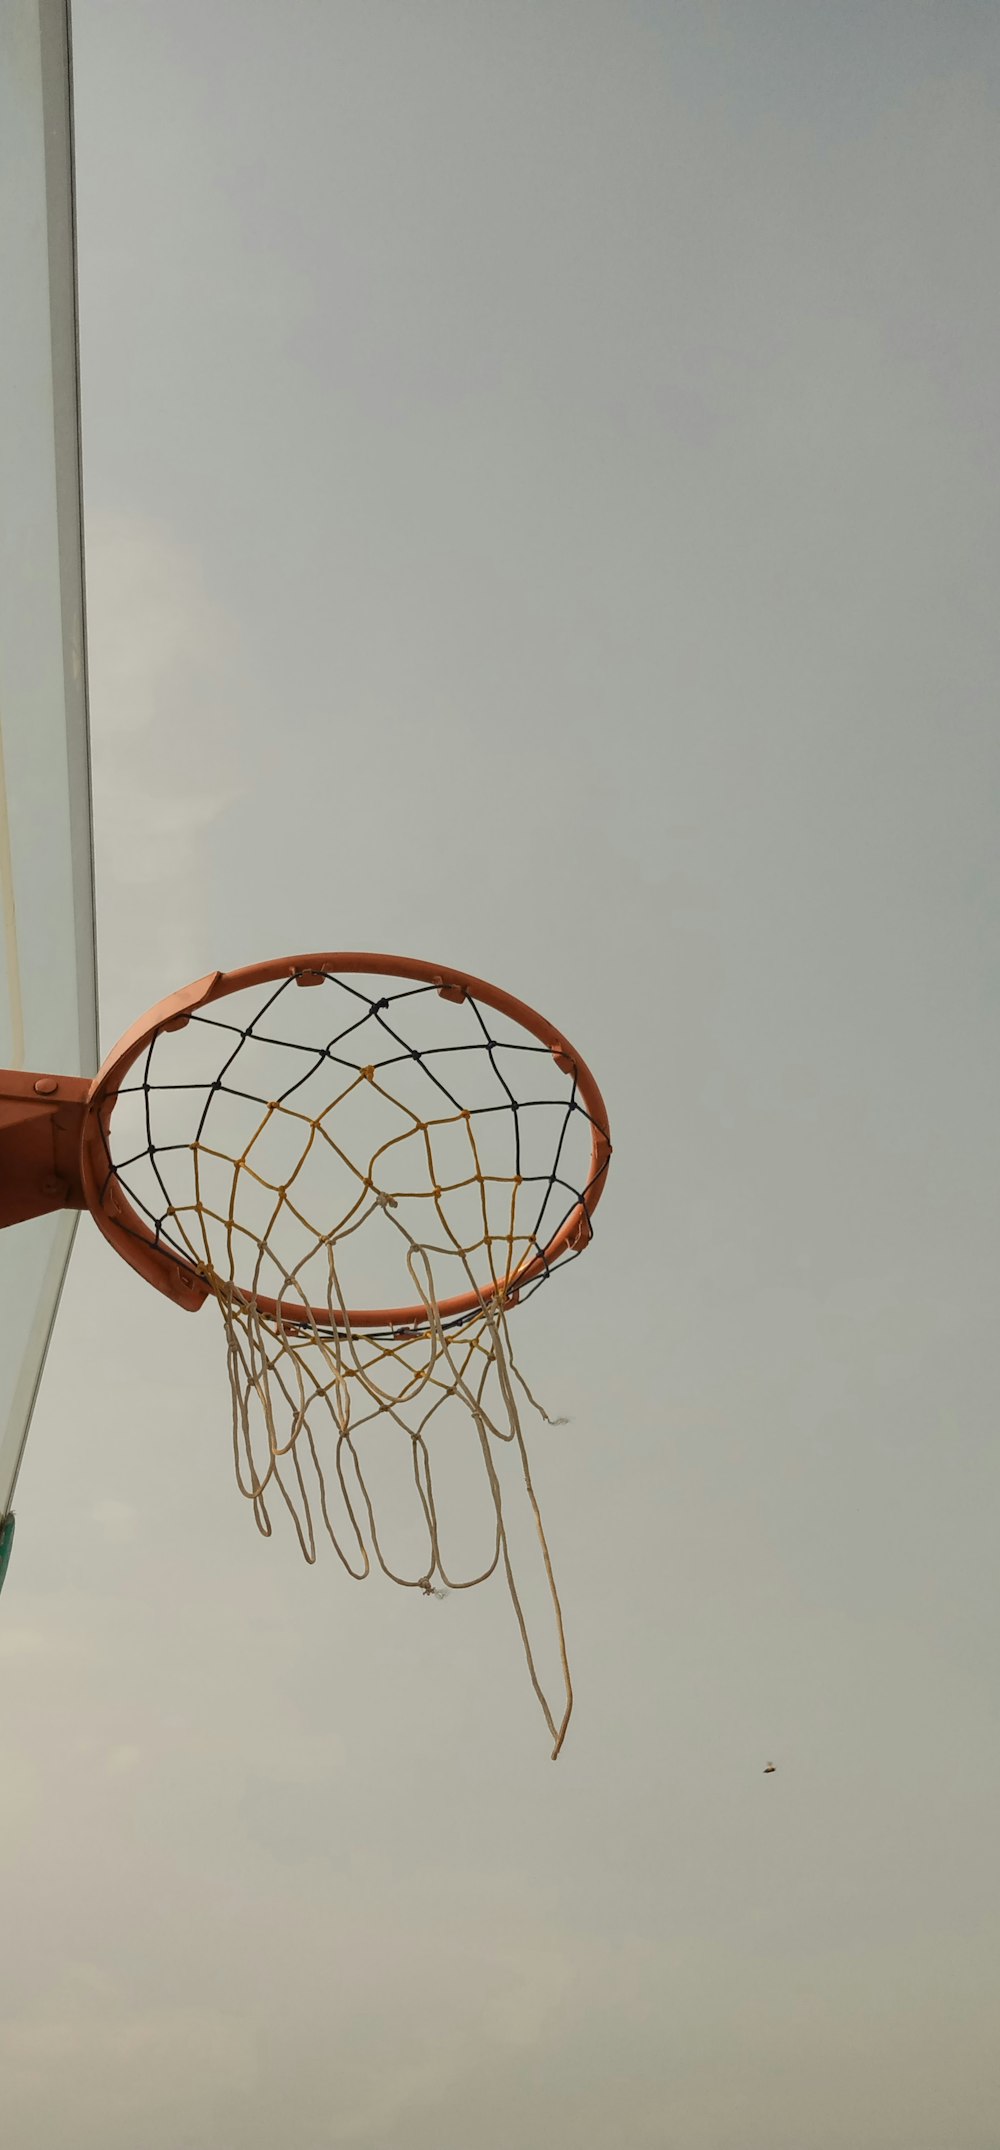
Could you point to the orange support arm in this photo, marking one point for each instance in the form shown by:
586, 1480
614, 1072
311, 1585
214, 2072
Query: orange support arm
41, 1127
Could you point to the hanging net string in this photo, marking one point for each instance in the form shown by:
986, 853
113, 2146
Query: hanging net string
302, 1176
291, 1388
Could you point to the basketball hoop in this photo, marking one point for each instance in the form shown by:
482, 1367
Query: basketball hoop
366, 1163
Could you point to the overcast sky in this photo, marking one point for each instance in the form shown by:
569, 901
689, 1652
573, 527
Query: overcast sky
541, 486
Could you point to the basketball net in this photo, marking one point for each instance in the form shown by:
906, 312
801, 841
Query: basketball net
444, 1199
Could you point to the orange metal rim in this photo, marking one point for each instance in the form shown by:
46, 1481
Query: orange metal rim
131, 1237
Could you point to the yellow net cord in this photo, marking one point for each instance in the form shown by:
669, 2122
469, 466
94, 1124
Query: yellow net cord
303, 1389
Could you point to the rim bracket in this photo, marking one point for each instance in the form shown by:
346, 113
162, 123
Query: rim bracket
41, 1126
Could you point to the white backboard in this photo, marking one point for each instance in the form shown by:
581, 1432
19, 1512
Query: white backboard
48, 997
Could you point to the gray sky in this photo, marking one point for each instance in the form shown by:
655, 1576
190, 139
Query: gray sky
542, 515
